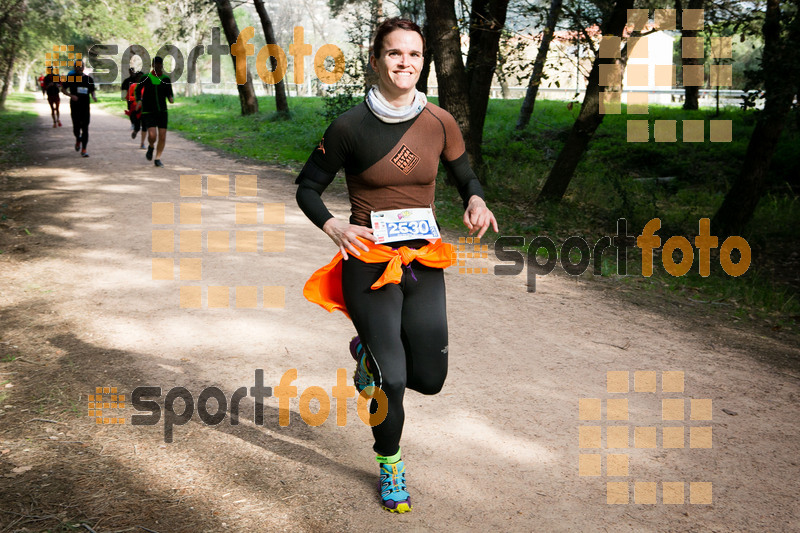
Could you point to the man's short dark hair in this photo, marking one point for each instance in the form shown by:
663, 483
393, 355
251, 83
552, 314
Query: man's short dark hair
158, 60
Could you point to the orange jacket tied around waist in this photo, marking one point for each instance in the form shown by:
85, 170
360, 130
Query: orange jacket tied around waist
324, 287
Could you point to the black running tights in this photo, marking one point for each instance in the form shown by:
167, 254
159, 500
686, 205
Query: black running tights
404, 328
80, 127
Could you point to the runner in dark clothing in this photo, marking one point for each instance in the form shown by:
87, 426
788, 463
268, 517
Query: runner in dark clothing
132, 79
134, 109
390, 148
153, 92
52, 88
79, 93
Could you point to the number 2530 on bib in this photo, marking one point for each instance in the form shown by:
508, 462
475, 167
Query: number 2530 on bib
404, 224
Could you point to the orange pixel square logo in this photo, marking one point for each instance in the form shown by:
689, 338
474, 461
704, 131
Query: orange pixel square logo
63, 55
656, 76
463, 252
181, 242
618, 432
103, 400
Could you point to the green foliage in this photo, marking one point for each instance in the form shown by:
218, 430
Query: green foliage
17, 118
338, 103
349, 91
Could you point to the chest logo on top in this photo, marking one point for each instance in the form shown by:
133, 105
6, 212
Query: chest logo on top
405, 159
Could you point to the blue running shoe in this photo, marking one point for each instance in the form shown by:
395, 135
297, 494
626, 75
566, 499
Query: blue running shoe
394, 495
362, 377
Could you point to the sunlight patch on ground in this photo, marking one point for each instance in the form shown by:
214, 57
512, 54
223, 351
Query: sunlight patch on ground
471, 431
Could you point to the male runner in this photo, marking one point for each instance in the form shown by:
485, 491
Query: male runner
131, 80
127, 83
134, 111
52, 88
153, 92
79, 92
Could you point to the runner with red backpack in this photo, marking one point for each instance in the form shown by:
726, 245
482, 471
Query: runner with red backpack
134, 110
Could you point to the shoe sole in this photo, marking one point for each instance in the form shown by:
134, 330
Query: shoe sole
402, 508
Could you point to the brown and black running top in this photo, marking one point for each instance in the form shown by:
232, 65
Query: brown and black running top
387, 165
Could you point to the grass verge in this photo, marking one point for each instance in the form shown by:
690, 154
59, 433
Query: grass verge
17, 118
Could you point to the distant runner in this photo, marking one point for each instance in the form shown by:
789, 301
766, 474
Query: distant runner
153, 92
79, 92
134, 111
127, 83
52, 88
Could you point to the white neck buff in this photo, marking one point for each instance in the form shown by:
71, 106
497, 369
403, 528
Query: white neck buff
389, 113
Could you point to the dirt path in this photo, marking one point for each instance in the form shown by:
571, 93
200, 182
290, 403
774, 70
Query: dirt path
498, 449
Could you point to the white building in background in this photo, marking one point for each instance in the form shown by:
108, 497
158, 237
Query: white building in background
649, 51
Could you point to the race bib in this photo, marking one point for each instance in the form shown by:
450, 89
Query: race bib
403, 225
83, 90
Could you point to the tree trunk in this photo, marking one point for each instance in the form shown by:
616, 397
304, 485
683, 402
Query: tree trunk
23, 81
422, 83
589, 118
464, 92
7, 75
622, 60
376, 16
247, 95
538, 66
487, 19
691, 92
281, 103
187, 87
451, 77
505, 90
781, 67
